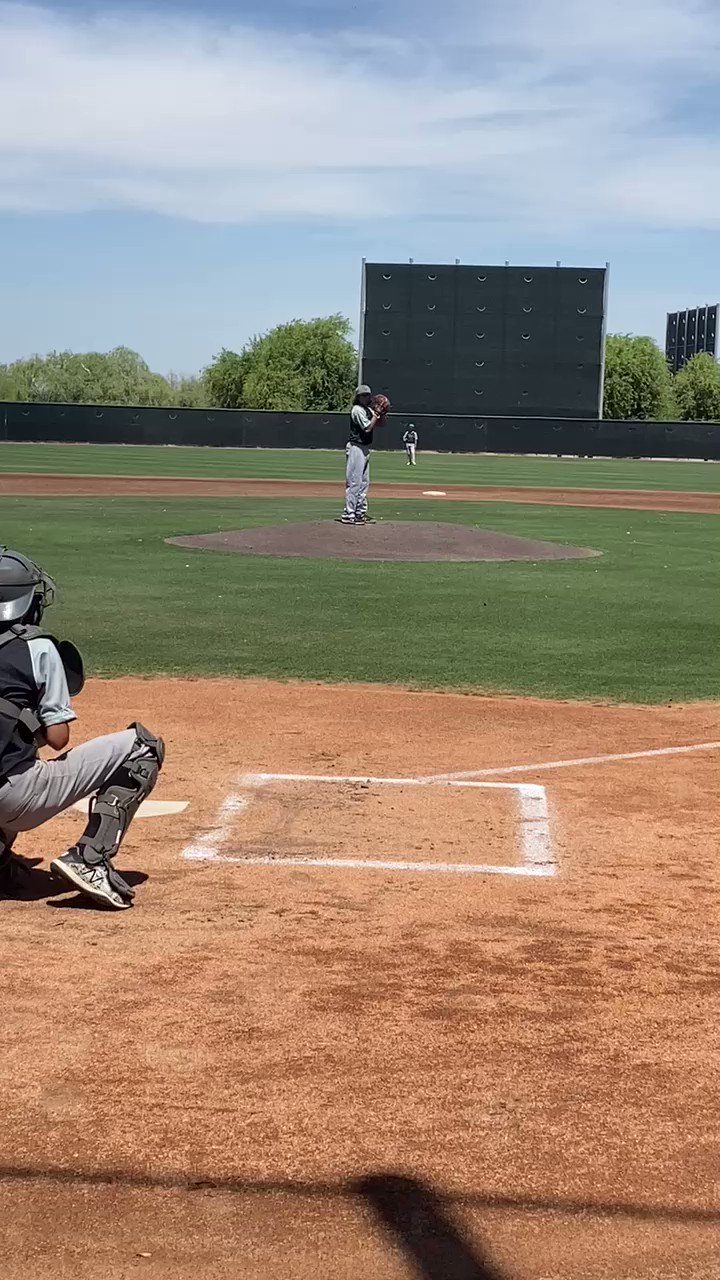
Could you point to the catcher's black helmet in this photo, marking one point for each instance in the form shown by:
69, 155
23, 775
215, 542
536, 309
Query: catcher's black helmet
25, 590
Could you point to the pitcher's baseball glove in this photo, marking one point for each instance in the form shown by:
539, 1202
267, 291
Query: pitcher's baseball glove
380, 405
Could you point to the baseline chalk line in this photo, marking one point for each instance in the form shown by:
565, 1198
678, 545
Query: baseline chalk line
375, 864
264, 779
572, 764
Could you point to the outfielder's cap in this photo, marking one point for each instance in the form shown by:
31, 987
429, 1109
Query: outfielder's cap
364, 390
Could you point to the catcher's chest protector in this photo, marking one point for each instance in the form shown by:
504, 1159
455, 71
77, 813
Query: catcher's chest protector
19, 694
19, 697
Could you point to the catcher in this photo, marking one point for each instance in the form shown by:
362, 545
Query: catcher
38, 675
367, 413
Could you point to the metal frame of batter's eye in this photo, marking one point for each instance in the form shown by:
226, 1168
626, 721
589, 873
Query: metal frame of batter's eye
361, 335
603, 338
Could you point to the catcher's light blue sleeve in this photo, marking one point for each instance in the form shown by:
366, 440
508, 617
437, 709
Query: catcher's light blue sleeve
49, 674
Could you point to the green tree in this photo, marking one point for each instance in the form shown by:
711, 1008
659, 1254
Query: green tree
188, 391
303, 365
697, 389
12, 384
638, 382
224, 379
120, 376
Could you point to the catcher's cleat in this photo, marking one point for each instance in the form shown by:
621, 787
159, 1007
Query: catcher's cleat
92, 880
344, 519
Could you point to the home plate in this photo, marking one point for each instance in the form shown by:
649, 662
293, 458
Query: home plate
434, 493
148, 809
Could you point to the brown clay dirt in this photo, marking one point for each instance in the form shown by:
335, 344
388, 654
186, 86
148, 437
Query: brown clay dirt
300, 1072
163, 487
389, 540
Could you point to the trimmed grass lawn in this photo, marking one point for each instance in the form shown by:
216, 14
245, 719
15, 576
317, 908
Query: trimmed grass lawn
638, 624
433, 470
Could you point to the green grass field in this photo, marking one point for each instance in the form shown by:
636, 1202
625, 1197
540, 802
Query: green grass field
435, 470
639, 624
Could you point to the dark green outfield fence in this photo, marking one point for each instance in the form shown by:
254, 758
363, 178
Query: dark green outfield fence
225, 428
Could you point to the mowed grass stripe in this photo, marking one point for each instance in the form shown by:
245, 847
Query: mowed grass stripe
433, 470
638, 624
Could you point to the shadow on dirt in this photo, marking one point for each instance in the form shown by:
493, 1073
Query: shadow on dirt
417, 1220
420, 1222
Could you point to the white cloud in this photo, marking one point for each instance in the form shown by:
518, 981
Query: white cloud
644, 31
555, 112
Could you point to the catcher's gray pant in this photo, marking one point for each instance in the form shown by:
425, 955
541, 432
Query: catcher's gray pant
49, 787
357, 479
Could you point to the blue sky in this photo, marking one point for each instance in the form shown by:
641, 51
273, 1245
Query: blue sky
177, 178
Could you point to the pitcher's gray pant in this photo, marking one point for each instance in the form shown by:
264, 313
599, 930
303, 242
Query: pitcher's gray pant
357, 479
49, 787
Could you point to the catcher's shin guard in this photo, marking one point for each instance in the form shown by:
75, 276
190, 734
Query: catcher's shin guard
117, 802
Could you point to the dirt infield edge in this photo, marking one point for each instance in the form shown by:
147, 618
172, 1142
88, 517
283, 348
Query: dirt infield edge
88, 486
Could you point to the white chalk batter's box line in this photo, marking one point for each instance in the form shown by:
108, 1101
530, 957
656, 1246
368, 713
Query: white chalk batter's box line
536, 846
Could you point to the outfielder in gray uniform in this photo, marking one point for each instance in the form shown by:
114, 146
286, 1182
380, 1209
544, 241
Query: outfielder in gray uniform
410, 440
38, 675
357, 472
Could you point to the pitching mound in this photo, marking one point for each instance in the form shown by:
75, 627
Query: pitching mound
388, 540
